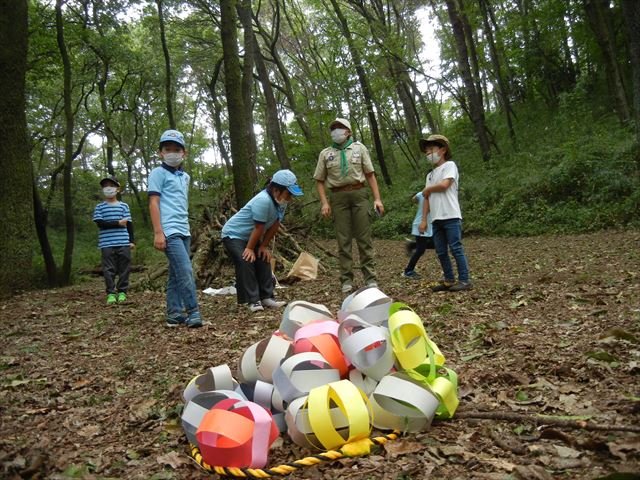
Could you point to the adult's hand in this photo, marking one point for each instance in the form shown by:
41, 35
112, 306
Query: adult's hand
249, 255
422, 227
325, 210
377, 204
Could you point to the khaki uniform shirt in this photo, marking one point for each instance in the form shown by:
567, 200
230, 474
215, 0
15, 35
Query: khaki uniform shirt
328, 167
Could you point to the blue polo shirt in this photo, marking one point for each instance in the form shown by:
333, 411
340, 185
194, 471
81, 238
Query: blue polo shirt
418, 219
260, 209
172, 186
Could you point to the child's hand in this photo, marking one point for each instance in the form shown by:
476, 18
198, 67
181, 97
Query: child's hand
132, 246
122, 222
159, 242
264, 254
249, 255
422, 227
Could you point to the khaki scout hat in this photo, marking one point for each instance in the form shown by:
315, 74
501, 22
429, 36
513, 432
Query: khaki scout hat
439, 140
340, 121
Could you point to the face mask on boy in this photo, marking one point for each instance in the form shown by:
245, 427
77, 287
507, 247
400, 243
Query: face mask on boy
339, 135
173, 159
110, 192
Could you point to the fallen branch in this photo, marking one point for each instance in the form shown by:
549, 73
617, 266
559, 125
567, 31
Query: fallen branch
538, 419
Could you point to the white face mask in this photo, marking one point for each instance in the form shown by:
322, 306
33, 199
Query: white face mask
110, 192
173, 159
433, 157
339, 135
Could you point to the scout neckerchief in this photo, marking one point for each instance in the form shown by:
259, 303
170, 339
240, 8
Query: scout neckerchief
344, 166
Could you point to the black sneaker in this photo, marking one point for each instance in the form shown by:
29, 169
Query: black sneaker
175, 321
442, 287
461, 286
194, 320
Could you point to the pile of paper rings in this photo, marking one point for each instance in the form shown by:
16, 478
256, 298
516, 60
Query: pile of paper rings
324, 381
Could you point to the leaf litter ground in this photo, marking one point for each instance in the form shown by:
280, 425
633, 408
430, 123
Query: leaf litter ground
552, 328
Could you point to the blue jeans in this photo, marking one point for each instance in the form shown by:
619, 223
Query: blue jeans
447, 234
181, 288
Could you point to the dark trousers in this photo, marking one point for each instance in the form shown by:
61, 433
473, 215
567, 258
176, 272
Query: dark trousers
422, 244
116, 261
254, 281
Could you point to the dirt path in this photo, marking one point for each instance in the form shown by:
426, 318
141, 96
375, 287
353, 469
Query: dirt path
552, 327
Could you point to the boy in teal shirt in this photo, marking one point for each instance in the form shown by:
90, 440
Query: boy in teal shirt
169, 209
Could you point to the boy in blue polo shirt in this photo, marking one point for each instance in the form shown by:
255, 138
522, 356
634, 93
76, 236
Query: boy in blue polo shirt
246, 237
115, 240
169, 210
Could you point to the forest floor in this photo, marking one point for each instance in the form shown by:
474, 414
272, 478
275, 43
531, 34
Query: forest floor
552, 327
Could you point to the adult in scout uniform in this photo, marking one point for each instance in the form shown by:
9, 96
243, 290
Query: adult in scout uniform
344, 168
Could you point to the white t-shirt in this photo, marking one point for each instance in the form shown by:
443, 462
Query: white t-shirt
444, 205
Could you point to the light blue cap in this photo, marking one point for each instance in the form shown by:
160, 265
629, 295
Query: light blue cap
286, 178
173, 136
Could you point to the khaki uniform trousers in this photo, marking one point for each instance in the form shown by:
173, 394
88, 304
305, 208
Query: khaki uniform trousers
352, 220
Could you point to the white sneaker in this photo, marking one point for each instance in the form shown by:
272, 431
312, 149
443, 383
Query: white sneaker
346, 287
255, 307
272, 303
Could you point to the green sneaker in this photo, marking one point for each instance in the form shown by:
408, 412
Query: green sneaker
122, 297
111, 299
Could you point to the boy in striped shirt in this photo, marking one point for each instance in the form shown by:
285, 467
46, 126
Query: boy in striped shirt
115, 240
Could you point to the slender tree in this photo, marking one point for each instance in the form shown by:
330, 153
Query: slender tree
503, 89
599, 16
631, 13
238, 131
16, 235
65, 276
366, 89
168, 86
476, 110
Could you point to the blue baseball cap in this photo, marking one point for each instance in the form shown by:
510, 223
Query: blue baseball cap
172, 136
286, 178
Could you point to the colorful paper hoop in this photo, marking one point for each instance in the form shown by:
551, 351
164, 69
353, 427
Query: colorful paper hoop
236, 433
196, 408
351, 402
300, 373
402, 403
369, 303
215, 378
367, 346
300, 313
260, 360
322, 337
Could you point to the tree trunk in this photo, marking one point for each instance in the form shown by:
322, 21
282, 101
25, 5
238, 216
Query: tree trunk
475, 102
471, 48
599, 16
238, 131
503, 89
366, 91
631, 14
41, 220
167, 68
16, 183
243, 8
65, 276
272, 120
106, 116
